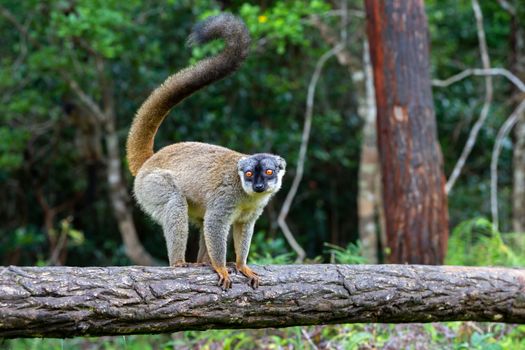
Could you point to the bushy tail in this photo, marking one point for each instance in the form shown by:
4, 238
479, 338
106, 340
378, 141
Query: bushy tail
182, 84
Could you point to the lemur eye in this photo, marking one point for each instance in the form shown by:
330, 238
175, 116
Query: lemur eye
269, 172
248, 174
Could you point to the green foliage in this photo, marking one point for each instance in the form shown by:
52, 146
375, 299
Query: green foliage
269, 251
100, 24
134, 342
25, 240
476, 242
279, 25
76, 237
481, 342
455, 47
49, 144
352, 254
282, 24
433, 336
259, 108
11, 147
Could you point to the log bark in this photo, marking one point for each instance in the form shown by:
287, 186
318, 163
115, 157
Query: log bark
414, 198
96, 301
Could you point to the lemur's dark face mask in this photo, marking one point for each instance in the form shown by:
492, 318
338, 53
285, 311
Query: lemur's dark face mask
261, 173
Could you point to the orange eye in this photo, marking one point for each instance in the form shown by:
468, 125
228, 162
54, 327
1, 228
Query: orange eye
269, 172
248, 174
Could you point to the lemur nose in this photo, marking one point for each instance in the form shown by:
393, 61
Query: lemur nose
258, 187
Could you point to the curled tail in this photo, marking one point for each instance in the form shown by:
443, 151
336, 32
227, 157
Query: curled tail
182, 84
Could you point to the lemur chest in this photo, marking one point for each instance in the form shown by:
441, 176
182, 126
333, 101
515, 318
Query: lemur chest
249, 210
245, 211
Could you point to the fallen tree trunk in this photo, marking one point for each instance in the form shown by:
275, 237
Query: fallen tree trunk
78, 301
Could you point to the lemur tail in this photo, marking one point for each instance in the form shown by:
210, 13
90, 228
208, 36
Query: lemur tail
184, 83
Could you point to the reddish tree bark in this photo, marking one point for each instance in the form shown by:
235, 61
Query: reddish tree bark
414, 196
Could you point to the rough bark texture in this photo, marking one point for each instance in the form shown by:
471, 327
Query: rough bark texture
518, 177
74, 301
369, 184
118, 193
518, 159
411, 162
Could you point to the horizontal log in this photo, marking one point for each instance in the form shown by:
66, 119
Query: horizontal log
95, 301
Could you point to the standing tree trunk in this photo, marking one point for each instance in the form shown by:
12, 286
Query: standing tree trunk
121, 201
518, 159
369, 183
369, 196
118, 192
518, 177
103, 117
414, 196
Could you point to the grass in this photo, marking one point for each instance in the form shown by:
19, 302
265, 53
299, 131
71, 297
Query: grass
447, 335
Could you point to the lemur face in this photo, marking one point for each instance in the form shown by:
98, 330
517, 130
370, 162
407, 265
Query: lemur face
261, 173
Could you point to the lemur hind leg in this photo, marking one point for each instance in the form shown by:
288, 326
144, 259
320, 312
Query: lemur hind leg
158, 195
202, 256
216, 228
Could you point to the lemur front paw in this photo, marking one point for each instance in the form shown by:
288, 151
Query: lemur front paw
254, 278
224, 278
190, 264
180, 264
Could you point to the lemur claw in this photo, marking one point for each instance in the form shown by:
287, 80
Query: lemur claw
254, 280
224, 278
225, 283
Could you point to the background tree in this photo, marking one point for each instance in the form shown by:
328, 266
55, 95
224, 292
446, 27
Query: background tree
79, 33
369, 205
517, 65
414, 195
54, 154
55, 206
114, 54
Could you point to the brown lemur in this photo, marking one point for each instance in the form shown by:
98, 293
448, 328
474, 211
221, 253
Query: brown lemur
210, 186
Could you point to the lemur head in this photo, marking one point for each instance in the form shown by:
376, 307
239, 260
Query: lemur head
261, 173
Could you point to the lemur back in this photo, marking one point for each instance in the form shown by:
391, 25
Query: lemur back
213, 187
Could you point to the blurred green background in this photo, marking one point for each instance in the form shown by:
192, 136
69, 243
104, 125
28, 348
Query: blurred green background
54, 153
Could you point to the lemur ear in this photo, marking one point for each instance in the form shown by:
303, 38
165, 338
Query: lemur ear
240, 163
281, 163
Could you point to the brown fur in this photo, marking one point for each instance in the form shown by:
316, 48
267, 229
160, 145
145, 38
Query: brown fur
184, 83
198, 182
211, 165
